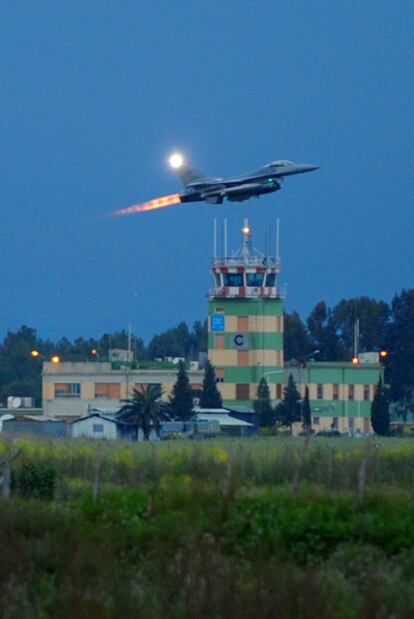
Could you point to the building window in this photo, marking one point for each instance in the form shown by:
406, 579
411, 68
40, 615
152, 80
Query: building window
98, 427
243, 391
351, 421
278, 392
111, 391
351, 392
233, 279
219, 375
315, 421
334, 424
366, 392
219, 341
319, 392
242, 323
243, 358
144, 386
254, 279
335, 392
67, 390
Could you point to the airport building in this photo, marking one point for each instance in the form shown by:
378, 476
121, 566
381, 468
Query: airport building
340, 393
245, 344
71, 389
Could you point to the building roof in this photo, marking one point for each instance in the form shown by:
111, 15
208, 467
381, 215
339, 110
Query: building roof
223, 418
99, 415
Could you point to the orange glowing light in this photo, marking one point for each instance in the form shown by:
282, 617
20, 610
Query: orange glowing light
55, 359
35, 353
383, 354
161, 202
355, 360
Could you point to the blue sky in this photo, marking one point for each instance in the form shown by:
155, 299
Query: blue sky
95, 96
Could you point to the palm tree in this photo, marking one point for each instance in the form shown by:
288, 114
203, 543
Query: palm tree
143, 409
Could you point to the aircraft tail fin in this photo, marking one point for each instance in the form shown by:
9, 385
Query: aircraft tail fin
188, 175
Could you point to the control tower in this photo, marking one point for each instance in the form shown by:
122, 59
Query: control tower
245, 323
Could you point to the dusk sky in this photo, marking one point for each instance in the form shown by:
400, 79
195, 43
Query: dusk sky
96, 95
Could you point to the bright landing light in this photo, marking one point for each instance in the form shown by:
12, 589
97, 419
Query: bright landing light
176, 160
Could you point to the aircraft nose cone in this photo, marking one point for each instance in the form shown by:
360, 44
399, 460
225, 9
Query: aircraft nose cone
308, 167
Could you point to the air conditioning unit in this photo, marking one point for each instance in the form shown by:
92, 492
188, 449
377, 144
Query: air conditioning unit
19, 402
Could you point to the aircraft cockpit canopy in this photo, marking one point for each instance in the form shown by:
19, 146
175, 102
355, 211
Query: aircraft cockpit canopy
280, 164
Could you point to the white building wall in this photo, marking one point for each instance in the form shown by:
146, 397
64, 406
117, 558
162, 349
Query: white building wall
85, 428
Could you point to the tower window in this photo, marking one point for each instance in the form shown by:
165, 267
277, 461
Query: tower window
271, 280
254, 279
233, 279
243, 357
219, 342
219, 375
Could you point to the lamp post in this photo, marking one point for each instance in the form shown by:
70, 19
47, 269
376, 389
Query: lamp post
273, 372
270, 373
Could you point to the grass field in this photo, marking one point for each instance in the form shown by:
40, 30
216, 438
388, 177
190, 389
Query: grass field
266, 527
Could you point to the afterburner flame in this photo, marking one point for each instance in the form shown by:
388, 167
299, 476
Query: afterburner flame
161, 202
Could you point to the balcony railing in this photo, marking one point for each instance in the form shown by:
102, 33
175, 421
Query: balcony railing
246, 293
249, 260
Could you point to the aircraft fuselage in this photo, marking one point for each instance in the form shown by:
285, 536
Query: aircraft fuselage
238, 188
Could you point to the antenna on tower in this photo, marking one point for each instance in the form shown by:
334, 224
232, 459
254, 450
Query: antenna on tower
356, 338
129, 341
215, 239
277, 240
225, 237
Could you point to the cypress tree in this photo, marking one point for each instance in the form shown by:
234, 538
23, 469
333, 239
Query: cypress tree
289, 410
262, 407
181, 400
210, 397
380, 415
306, 412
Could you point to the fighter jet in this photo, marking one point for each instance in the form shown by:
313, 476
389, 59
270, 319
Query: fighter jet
214, 189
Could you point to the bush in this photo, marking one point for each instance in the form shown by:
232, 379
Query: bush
36, 480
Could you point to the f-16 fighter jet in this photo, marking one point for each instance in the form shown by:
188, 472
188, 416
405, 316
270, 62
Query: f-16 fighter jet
200, 188
214, 189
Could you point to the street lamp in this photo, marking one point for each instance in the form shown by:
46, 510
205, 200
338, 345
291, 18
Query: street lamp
37, 355
273, 372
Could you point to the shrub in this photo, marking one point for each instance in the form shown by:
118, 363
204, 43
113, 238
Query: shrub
36, 480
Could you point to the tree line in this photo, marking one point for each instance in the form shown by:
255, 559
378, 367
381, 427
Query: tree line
328, 330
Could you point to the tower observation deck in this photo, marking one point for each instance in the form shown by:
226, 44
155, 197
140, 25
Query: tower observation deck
245, 326
247, 273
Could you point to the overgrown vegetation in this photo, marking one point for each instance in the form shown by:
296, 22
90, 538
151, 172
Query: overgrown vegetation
256, 528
